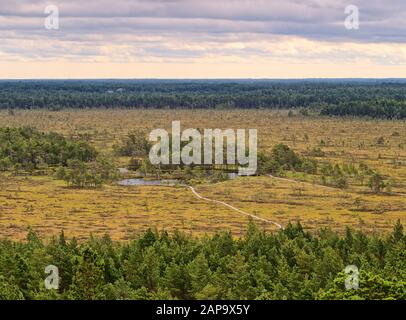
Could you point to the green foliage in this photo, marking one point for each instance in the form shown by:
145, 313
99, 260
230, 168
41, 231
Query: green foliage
282, 158
371, 287
285, 157
309, 166
84, 175
372, 98
134, 145
388, 108
376, 183
28, 149
88, 276
289, 264
9, 291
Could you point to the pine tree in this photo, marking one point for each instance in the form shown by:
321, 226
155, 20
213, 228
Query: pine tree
9, 290
199, 273
88, 279
397, 234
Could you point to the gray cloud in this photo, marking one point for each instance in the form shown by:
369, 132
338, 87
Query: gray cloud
164, 28
380, 20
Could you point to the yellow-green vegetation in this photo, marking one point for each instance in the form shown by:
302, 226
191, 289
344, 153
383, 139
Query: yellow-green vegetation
48, 205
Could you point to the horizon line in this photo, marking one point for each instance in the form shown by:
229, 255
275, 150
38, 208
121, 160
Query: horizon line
211, 79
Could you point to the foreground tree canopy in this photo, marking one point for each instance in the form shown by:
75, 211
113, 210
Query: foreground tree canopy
289, 264
372, 98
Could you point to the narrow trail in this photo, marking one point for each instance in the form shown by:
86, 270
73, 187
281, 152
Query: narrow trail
234, 208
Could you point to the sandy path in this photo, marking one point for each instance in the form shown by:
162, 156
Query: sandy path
234, 208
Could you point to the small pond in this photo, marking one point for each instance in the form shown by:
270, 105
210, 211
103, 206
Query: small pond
161, 182
146, 182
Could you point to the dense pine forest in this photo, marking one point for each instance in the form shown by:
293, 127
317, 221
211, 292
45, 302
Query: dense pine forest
290, 264
370, 98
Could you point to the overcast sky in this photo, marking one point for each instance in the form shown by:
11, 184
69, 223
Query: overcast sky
202, 39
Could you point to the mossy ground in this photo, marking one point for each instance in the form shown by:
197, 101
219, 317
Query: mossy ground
48, 206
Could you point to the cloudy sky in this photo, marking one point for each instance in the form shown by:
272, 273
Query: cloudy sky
202, 39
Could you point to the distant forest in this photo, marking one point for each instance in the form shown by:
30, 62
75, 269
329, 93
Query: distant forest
368, 98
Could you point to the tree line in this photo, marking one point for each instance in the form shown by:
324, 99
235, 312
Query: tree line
289, 264
372, 98
382, 108
74, 160
27, 148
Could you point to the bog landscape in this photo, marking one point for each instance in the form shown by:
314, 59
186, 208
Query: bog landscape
75, 169
231, 152
334, 172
